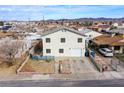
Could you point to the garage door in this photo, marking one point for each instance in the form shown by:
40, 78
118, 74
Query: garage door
76, 52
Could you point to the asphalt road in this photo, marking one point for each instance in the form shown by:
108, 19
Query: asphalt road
63, 83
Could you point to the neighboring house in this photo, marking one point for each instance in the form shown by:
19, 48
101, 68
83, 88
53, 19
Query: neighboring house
115, 24
90, 33
118, 25
28, 41
117, 31
116, 43
103, 27
100, 27
63, 42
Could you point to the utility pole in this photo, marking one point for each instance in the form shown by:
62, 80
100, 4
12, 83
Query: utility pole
29, 24
43, 20
43, 24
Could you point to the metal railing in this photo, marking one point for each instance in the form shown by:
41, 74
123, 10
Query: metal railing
38, 57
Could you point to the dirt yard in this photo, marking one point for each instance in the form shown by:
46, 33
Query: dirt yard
39, 67
6, 70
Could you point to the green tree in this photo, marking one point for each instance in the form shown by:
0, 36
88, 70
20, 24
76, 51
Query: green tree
1, 23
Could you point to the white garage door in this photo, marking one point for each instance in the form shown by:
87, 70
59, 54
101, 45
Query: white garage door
76, 52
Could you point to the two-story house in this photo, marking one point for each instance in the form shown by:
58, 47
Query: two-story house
63, 42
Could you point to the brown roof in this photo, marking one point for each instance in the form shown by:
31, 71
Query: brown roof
103, 26
61, 28
121, 43
108, 40
5, 34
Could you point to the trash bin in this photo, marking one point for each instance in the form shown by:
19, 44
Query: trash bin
93, 53
87, 53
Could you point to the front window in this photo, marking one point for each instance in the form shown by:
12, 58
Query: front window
48, 50
61, 50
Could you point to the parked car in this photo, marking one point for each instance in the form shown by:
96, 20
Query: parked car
106, 52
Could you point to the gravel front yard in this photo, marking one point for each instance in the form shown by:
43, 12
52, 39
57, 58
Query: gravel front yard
42, 67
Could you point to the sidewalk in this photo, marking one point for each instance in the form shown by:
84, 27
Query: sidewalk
79, 76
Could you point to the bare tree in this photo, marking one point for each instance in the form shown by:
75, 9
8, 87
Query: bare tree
38, 47
9, 49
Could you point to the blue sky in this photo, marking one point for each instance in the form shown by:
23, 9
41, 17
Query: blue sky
18, 12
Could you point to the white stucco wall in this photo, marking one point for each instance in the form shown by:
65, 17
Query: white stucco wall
28, 39
93, 34
119, 51
55, 44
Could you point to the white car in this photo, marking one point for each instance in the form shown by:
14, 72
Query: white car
106, 52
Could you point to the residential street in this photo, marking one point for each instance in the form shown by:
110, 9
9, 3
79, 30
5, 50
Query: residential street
63, 83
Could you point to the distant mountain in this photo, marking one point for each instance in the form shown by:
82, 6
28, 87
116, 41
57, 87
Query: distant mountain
82, 19
91, 19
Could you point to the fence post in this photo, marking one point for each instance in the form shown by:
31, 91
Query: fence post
116, 67
111, 62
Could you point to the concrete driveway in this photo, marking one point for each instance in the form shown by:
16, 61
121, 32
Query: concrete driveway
113, 62
79, 70
78, 66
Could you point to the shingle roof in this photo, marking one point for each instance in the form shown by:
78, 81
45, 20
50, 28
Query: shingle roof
103, 26
62, 28
121, 43
108, 40
84, 31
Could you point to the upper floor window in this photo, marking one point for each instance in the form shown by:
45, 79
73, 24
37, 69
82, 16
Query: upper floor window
62, 40
79, 40
47, 40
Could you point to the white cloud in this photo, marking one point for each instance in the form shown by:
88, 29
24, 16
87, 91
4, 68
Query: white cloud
6, 9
